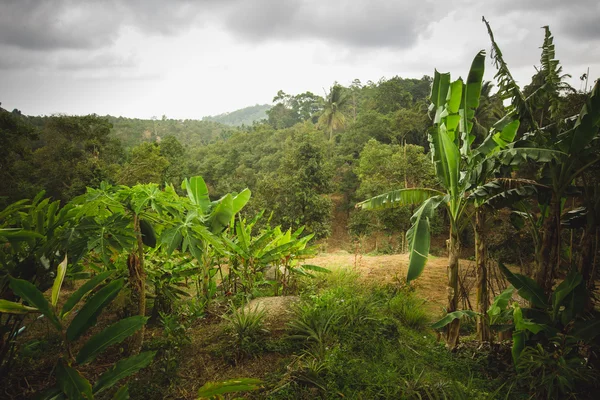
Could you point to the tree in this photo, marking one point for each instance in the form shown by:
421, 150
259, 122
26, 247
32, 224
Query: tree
570, 139
333, 117
147, 165
459, 169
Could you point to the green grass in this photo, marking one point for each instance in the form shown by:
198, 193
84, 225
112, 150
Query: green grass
364, 342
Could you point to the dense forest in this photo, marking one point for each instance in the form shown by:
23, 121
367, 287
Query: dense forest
142, 245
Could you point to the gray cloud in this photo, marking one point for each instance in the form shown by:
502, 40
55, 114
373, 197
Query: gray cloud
374, 24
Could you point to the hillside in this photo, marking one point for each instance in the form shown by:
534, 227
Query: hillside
243, 116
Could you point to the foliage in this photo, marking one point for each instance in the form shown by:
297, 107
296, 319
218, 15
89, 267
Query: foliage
215, 390
246, 326
69, 380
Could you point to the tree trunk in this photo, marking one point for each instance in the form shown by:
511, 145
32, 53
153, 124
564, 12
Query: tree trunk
452, 333
483, 297
137, 283
549, 252
585, 264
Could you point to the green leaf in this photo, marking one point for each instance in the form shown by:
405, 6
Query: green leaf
446, 158
561, 292
586, 330
452, 316
28, 292
439, 92
198, 192
61, 270
316, 268
214, 389
586, 126
500, 302
122, 393
10, 307
526, 287
148, 235
114, 334
172, 238
518, 345
398, 198
123, 369
418, 237
241, 200
522, 324
19, 234
221, 214
83, 290
92, 308
470, 100
72, 383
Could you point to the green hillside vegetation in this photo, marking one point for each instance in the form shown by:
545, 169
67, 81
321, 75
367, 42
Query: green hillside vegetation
244, 116
184, 251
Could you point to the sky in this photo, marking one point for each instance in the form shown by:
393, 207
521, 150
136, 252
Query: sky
189, 59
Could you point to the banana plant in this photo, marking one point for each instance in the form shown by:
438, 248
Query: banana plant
252, 254
573, 137
197, 228
453, 105
71, 384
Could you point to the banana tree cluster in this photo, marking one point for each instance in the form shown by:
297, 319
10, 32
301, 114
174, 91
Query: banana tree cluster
250, 255
460, 169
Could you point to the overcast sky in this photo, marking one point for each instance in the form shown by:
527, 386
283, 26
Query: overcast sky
189, 59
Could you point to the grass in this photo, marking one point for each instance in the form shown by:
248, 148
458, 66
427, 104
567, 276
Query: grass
368, 341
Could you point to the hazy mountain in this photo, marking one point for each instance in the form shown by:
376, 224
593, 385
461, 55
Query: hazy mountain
243, 116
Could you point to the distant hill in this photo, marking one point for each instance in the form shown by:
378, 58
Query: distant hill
243, 116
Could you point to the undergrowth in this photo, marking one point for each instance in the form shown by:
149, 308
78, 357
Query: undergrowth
371, 342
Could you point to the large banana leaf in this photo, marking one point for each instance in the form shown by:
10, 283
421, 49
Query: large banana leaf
446, 158
526, 287
197, 192
439, 92
419, 238
470, 100
398, 198
586, 126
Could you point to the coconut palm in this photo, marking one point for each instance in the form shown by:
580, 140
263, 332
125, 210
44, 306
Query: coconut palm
333, 117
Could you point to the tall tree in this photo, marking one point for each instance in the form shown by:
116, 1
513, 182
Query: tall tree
333, 117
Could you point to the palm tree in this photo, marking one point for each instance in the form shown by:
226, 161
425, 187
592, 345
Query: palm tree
333, 117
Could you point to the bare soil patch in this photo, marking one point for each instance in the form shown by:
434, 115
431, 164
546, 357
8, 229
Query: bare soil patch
386, 269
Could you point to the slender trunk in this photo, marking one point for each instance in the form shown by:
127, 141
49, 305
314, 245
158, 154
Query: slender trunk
483, 297
549, 251
452, 333
585, 263
137, 283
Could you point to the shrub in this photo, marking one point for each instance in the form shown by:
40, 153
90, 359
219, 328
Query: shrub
246, 327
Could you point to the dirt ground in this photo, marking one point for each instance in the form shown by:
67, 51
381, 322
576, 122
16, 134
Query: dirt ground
430, 286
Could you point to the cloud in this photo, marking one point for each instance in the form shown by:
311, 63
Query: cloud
362, 24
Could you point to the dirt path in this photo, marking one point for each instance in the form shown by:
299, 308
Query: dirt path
431, 285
